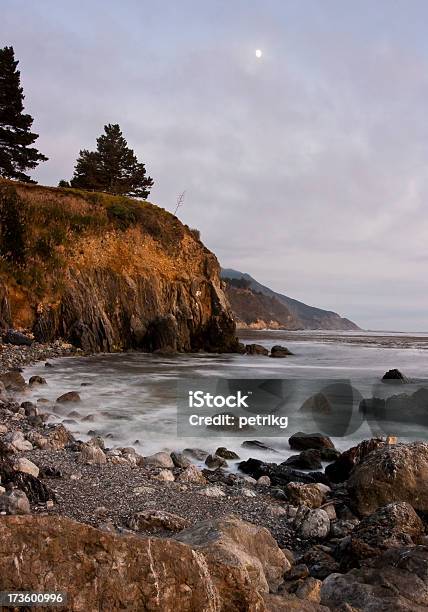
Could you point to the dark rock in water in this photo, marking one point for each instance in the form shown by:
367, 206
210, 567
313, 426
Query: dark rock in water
30, 409
256, 349
303, 441
241, 348
196, 453
280, 351
395, 375
391, 526
70, 396
180, 460
48, 364
397, 581
340, 470
279, 474
307, 460
318, 404
37, 380
226, 454
213, 462
16, 338
258, 445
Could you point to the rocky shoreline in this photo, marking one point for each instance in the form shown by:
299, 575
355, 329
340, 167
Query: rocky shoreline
271, 537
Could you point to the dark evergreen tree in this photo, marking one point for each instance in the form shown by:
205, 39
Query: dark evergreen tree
113, 167
16, 138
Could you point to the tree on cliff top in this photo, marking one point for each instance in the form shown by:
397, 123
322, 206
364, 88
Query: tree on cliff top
113, 167
16, 154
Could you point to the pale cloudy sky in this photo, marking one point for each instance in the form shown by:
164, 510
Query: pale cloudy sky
306, 168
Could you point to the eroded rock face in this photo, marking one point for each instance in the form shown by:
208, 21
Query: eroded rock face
227, 565
392, 473
339, 470
395, 582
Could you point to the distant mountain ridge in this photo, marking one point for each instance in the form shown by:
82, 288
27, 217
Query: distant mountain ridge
257, 306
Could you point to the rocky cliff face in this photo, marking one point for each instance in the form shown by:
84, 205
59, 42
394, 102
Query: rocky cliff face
107, 273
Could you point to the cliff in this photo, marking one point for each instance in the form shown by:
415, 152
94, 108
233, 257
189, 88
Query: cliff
107, 273
256, 306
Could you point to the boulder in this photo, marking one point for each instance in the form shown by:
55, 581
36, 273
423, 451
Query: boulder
339, 470
311, 523
280, 351
394, 376
320, 562
157, 520
306, 460
70, 396
263, 481
397, 581
226, 454
214, 462
15, 442
220, 565
238, 545
213, 491
302, 441
180, 460
21, 464
160, 459
392, 473
256, 349
310, 589
392, 526
14, 502
17, 338
256, 444
192, 475
279, 475
305, 494
13, 380
91, 455
164, 476
196, 453
37, 380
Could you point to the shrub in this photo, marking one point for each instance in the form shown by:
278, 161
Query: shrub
13, 225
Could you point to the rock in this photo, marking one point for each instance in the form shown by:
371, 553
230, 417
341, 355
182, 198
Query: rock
279, 475
165, 476
395, 375
214, 462
311, 523
196, 453
392, 473
14, 502
99, 442
392, 526
37, 380
248, 493
320, 562
214, 491
263, 481
289, 602
3, 393
15, 442
157, 520
306, 460
21, 464
70, 396
92, 455
192, 475
216, 565
339, 470
317, 404
17, 338
58, 437
180, 460
160, 459
310, 589
397, 581
226, 454
238, 544
341, 528
13, 381
280, 351
302, 441
305, 494
258, 446
30, 409
3, 429
330, 509
256, 349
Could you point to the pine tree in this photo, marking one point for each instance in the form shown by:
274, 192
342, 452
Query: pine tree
113, 167
16, 154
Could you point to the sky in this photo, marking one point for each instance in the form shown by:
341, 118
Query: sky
306, 168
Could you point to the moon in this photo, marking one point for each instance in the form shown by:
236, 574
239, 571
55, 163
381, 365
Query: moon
259, 53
